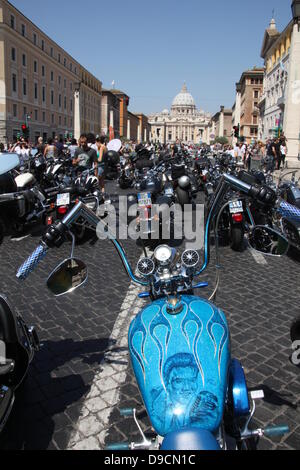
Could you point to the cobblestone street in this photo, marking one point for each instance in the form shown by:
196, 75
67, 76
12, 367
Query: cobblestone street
81, 376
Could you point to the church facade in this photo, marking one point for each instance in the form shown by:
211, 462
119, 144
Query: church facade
183, 122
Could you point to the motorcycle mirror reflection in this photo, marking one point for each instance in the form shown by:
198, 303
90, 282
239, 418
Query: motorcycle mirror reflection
34, 152
267, 241
67, 277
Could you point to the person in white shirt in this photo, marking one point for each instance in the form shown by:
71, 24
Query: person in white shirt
283, 151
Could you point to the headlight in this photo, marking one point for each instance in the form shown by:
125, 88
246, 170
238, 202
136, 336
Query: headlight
163, 254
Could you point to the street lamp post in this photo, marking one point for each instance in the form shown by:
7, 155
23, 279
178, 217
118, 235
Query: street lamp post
296, 11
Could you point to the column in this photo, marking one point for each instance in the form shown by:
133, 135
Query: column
77, 114
221, 126
128, 129
291, 123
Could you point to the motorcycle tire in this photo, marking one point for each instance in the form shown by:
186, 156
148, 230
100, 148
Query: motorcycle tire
182, 197
2, 230
236, 238
295, 330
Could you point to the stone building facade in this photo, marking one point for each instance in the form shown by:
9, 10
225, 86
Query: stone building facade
280, 101
183, 122
220, 125
38, 83
246, 108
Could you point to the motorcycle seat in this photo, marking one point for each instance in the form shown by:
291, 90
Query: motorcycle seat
190, 439
8, 328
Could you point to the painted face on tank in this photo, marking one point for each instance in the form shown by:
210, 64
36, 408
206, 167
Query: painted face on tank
181, 378
183, 384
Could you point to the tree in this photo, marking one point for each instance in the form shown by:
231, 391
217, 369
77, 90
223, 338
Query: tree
221, 140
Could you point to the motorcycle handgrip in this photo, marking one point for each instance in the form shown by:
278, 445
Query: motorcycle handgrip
273, 431
31, 263
118, 446
287, 210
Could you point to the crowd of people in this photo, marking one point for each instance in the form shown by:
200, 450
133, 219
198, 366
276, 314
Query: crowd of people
273, 152
89, 151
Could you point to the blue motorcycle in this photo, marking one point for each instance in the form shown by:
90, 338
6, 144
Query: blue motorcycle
194, 392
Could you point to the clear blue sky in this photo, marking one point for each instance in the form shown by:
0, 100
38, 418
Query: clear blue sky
151, 47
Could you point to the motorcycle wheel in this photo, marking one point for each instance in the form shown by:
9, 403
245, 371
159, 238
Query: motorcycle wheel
237, 238
2, 230
295, 330
183, 197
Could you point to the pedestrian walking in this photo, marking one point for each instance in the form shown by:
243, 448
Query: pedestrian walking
101, 151
51, 149
283, 151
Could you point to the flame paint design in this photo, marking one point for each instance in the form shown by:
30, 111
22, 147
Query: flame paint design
216, 319
160, 320
139, 327
192, 317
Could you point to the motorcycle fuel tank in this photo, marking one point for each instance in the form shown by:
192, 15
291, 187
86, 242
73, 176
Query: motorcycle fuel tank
181, 364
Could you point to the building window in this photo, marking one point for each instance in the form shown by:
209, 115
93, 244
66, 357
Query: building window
59, 58
65, 121
43, 45
71, 105
44, 116
24, 111
65, 102
13, 54
71, 86
52, 118
256, 94
43, 70
15, 110
51, 51
12, 22
36, 115
44, 94
65, 62
23, 30
59, 101
34, 39
59, 120
35, 66
24, 60
35, 91
59, 80
14, 82
52, 97
52, 76
24, 86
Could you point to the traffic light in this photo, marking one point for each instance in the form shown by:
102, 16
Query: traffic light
237, 131
25, 131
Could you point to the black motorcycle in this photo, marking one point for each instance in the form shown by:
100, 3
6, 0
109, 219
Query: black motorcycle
18, 344
21, 200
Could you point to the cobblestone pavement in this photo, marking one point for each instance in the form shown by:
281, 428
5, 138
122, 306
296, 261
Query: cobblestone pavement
81, 376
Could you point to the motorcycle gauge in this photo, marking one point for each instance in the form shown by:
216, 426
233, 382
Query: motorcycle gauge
163, 254
146, 267
190, 259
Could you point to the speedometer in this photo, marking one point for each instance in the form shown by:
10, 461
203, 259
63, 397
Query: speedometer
163, 254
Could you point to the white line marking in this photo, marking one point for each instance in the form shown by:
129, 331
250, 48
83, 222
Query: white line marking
104, 394
259, 258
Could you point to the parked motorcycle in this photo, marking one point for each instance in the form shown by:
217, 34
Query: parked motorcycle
195, 393
18, 344
21, 201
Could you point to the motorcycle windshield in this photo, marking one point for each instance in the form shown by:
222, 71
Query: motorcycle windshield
181, 364
8, 161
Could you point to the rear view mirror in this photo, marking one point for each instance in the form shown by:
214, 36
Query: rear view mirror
267, 241
67, 277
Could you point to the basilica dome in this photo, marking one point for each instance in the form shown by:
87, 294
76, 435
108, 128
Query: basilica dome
184, 98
